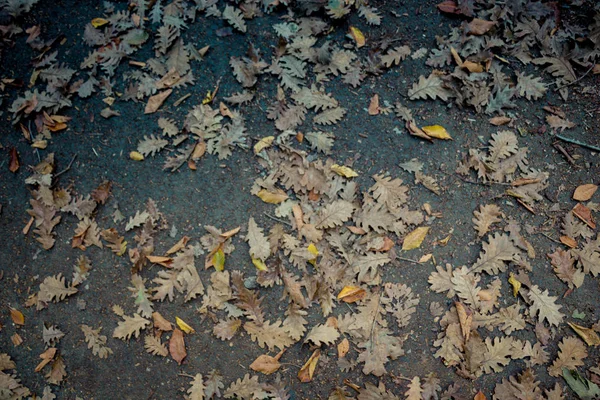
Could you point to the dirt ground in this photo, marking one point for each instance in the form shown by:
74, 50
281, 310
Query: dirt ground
218, 194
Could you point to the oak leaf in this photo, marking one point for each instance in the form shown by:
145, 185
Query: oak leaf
323, 333
571, 355
154, 346
130, 326
543, 306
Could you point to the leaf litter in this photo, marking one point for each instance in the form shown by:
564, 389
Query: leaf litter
333, 238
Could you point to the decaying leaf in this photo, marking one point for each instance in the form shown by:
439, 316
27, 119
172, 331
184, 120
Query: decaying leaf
308, 369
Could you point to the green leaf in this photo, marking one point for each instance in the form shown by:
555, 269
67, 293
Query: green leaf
585, 389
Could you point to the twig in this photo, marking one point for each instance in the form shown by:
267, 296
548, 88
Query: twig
549, 237
577, 142
186, 375
578, 79
278, 220
564, 153
375, 319
68, 167
407, 259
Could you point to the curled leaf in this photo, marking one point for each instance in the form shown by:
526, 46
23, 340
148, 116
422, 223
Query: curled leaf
344, 171
437, 132
308, 369
588, 335
98, 22
351, 294
184, 326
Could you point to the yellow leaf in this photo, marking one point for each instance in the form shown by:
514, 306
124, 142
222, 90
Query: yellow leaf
259, 264
218, 260
98, 22
515, 284
351, 294
425, 257
183, 326
208, 98
437, 132
307, 371
272, 197
587, 334
136, 156
17, 316
358, 36
263, 144
343, 171
414, 239
312, 249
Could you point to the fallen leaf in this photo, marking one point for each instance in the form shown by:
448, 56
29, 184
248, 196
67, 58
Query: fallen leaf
46, 357
161, 323
263, 144
414, 130
154, 102
516, 285
374, 105
414, 239
160, 260
17, 316
584, 192
16, 339
472, 67
480, 396
498, 121
352, 294
449, 6
177, 346
272, 197
568, 241
184, 326
218, 260
356, 230
585, 214
259, 264
178, 246
267, 364
230, 233
14, 164
343, 348
98, 22
588, 335
480, 26
436, 131
358, 36
425, 257
344, 171
465, 318
308, 369
136, 156
312, 249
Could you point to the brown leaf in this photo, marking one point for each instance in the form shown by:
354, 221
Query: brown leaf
14, 164
352, 294
161, 323
102, 192
374, 105
501, 120
46, 357
267, 364
178, 246
17, 316
584, 192
465, 317
480, 26
568, 241
154, 102
177, 346
414, 130
449, 6
585, 214
480, 396
308, 369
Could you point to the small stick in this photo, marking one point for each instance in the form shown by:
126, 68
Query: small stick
578, 79
186, 375
407, 259
278, 220
577, 142
549, 237
68, 167
564, 153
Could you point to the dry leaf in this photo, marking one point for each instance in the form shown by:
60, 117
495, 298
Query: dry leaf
184, 326
263, 143
272, 197
14, 164
358, 36
343, 348
500, 120
98, 22
584, 192
308, 369
414, 130
585, 214
344, 171
480, 27
267, 364
17, 316
136, 156
414, 239
587, 334
374, 105
465, 317
177, 346
46, 357
480, 396
352, 294
154, 102
437, 132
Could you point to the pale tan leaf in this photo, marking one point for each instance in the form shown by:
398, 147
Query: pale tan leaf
154, 346
543, 306
486, 216
130, 326
571, 355
259, 245
320, 334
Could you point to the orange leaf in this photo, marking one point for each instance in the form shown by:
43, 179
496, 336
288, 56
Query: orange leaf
230, 233
14, 164
374, 105
343, 348
308, 369
46, 357
179, 245
161, 323
161, 260
177, 346
584, 214
480, 396
17, 316
568, 241
267, 364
